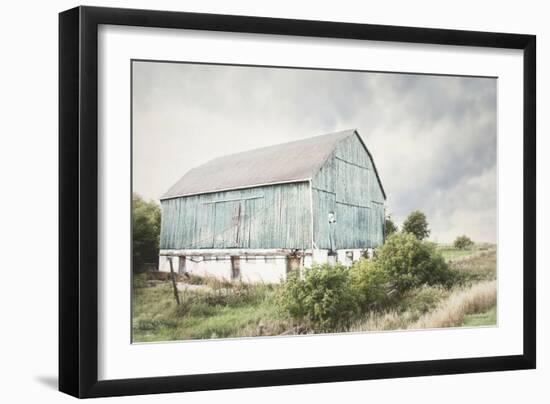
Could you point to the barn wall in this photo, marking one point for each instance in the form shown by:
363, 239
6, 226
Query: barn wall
347, 185
275, 216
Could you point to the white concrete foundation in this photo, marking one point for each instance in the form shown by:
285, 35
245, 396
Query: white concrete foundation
164, 263
251, 268
220, 268
263, 269
320, 256
348, 257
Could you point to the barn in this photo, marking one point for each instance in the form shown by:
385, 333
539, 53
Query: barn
258, 214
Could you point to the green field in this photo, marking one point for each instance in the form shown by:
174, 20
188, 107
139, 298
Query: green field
451, 254
214, 309
488, 317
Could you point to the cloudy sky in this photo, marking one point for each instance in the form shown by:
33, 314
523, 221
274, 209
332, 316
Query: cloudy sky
433, 138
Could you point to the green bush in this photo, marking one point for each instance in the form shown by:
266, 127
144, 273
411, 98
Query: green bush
327, 298
369, 284
409, 262
322, 298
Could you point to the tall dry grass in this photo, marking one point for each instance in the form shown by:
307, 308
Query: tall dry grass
479, 298
484, 261
391, 320
450, 312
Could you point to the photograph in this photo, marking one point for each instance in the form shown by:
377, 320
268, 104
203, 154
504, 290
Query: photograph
276, 201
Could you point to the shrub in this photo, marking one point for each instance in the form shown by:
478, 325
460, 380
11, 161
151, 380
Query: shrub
409, 263
369, 284
463, 243
323, 298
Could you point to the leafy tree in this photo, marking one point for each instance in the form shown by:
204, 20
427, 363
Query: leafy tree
409, 262
463, 242
145, 232
417, 225
390, 227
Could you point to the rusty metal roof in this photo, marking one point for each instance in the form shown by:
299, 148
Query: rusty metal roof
287, 162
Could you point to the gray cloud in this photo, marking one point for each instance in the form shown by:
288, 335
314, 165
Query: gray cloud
433, 137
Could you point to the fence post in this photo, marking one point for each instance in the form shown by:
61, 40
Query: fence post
173, 276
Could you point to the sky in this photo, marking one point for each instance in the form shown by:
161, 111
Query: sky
433, 138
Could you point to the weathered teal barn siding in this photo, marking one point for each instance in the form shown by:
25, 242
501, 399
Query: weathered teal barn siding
225, 203
347, 185
274, 216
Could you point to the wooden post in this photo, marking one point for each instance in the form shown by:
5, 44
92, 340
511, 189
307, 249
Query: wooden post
176, 295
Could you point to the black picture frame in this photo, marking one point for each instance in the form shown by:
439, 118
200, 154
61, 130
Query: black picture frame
78, 201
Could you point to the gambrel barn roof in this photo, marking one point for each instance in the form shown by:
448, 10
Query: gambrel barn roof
283, 163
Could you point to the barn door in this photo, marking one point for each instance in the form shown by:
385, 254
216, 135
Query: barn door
228, 224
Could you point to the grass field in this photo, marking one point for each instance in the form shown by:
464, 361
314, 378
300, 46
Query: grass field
452, 254
488, 317
216, 309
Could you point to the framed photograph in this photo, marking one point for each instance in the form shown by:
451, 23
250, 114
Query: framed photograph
249, 201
